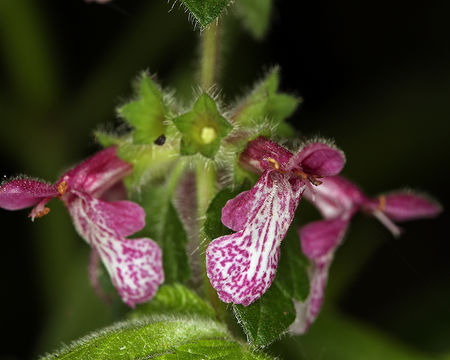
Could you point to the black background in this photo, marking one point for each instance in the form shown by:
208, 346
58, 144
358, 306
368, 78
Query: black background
375, 76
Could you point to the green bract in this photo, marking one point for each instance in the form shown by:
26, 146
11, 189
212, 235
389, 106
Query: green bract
205, 11
203, 128
266, 103
149, 161
147, 113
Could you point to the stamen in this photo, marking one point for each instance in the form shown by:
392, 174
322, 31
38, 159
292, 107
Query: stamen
274, 163
381, 202
301, 174
62, 187
42, 213
312, 178
314, 181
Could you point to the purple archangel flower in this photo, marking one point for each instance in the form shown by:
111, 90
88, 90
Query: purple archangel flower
337, 199
241, 266
135, 265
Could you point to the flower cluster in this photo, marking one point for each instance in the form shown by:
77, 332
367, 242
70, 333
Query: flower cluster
134, 265
242, 266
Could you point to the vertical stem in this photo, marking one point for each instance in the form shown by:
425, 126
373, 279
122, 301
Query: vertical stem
206, 189
206, 176
210, 55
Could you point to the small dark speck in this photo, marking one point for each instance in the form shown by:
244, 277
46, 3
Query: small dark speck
160, 140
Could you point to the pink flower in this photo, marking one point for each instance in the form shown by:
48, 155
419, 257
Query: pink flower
241, 266
338, 200
135, 265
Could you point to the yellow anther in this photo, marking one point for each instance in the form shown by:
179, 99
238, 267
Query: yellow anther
62, 188
274, 163
42, 213
208, 134
381, 202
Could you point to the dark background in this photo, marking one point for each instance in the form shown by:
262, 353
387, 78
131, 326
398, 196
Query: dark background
375, 76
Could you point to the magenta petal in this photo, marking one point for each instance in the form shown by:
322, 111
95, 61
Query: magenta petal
241, 266
319, 241
403, 206
237, 211
135, 265
319, 159
98, 173
22, 193
255, 155
319, 238
334, 196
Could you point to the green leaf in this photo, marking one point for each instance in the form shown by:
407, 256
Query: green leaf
203, 128
267, 318
256, 15
147, 113
174, 300
205, 11
165, 227
159, 337
292, 277
264, 102
270, 316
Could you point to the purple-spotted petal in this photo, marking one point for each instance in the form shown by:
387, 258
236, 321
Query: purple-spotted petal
403, 206
123, 217
241, 266
318, 159
22, 193
134, 265
258, 151
98, 173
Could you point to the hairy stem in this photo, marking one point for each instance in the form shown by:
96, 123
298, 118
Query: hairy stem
206, 189
210, 55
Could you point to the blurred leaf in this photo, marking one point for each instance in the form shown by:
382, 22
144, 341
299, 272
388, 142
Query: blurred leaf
174, 300
264, 102
203, 128
161, 338
270, 316
256, 15
205, 11
147, 113
337, 337
167, 230
22, 32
